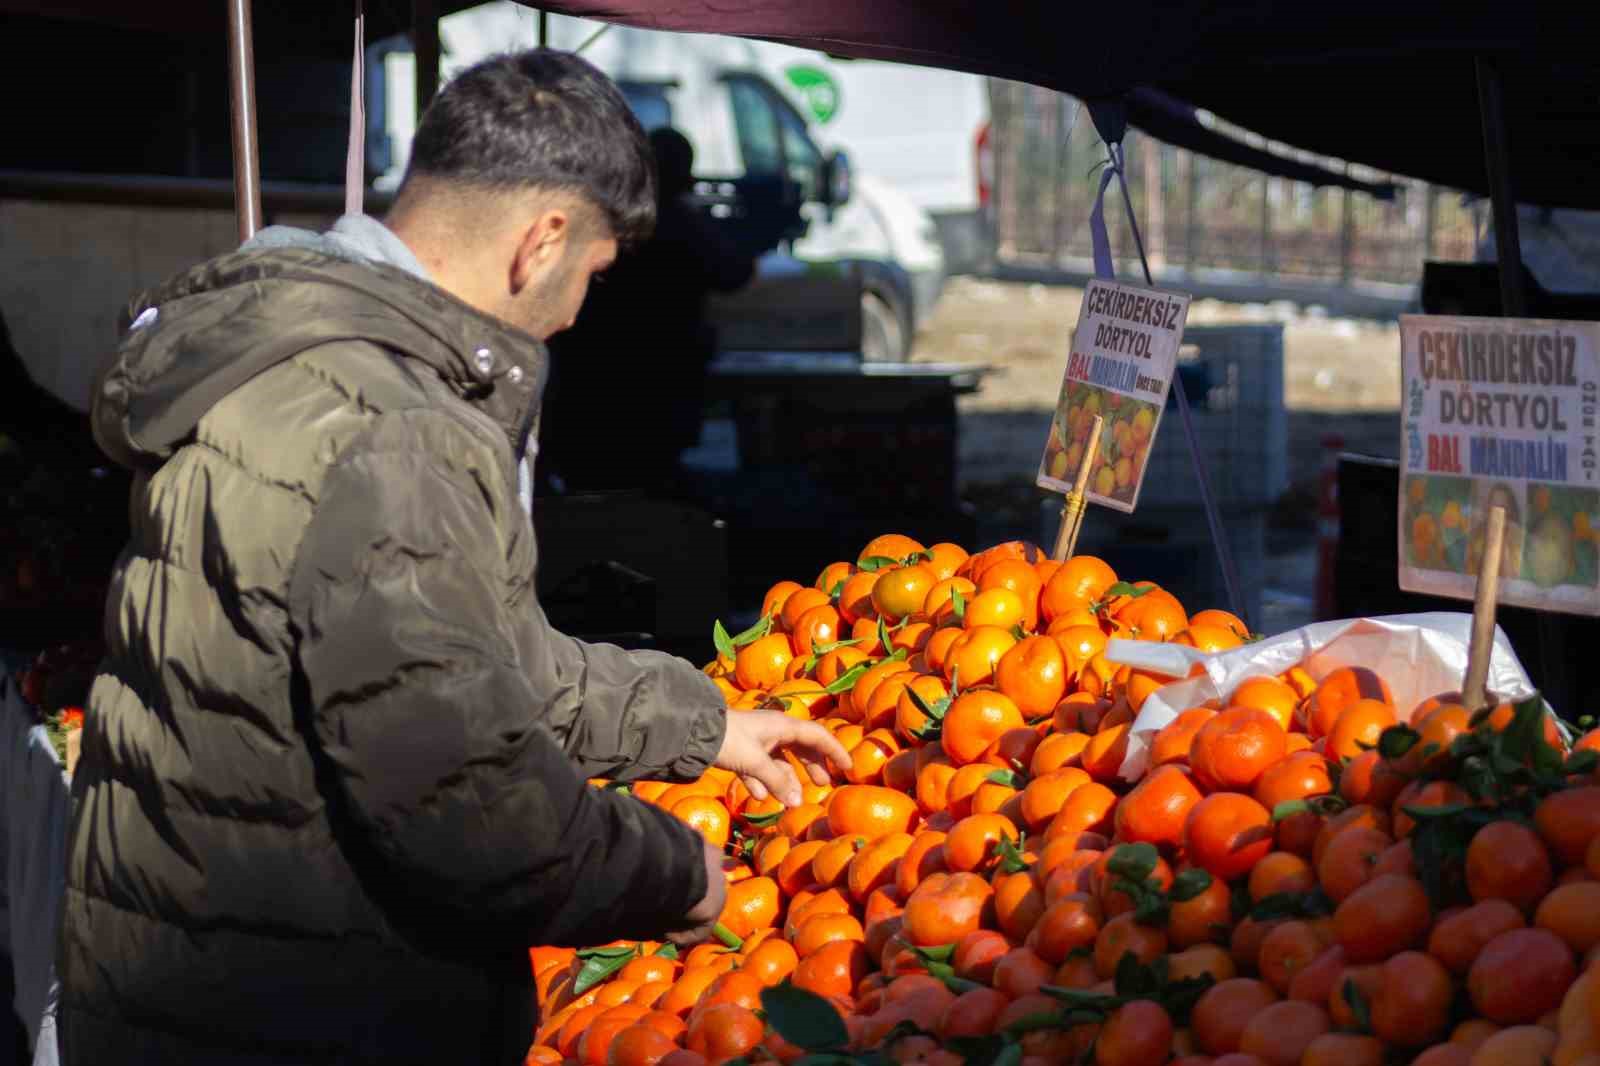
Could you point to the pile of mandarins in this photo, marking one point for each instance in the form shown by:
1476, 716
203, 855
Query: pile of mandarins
1306, 875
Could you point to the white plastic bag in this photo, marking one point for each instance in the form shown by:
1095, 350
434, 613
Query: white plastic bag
1419, 655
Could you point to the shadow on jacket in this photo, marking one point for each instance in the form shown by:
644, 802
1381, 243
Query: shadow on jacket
333, 773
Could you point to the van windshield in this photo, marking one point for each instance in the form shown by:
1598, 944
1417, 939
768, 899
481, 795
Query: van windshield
649, 103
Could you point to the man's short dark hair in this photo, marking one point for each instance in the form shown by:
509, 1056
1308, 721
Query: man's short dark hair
544, 119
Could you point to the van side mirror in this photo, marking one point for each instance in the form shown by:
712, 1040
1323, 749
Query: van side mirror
836, 179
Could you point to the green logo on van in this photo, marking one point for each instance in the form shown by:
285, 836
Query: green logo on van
821, 92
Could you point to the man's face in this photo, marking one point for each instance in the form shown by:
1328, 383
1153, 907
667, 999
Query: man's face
552, 303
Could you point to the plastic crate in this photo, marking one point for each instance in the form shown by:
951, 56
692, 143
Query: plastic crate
1240, 421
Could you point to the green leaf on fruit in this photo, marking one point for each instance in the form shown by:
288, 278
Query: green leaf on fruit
724, 643
615, 951
600, 965
1395, 741
1151, 906
1180, 996
804, 1018
754, 633
823, 649
819, 650
1239, 899
1359, 1007
1079, 998
763, 821
873, 563
935, 710
1582, 762
1132, 591
1427, 814
1189, 884
1135, 980
980, 1050
958, 604
1290, 809
959, 985
847, 680
1136, 862
1311, 904
1011, 854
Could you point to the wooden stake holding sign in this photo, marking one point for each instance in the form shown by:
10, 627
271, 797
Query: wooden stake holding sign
1076, 501
1475, 691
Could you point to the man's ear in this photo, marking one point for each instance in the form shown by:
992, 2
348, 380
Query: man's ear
541, 246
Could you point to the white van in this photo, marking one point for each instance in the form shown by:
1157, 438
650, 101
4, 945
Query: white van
747, 123
922, 129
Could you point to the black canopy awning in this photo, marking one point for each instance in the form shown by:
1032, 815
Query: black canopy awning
1389, 85
1385, 84
1177, 123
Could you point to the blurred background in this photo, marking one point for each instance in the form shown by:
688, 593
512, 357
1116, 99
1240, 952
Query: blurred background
915, 240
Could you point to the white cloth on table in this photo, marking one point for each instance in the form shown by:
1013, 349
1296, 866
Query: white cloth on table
33, 832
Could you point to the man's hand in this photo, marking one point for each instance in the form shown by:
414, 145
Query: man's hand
754, 737
704, 914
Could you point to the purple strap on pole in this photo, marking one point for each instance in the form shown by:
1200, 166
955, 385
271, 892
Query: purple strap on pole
1098, 238
1103, 268
355, 168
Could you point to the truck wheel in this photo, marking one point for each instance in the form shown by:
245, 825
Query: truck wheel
883, 340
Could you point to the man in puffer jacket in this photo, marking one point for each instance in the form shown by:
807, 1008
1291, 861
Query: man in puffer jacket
333, 775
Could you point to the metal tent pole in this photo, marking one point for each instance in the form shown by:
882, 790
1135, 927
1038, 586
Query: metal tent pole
1497, 161
1555, 665
425, 46
246, 149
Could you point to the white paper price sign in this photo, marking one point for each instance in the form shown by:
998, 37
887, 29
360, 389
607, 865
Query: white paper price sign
1501, 411
1124, 353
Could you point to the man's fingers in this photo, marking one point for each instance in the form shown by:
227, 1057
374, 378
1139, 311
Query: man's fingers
809, 736
780, 780
756, 788
689, 938
818, 772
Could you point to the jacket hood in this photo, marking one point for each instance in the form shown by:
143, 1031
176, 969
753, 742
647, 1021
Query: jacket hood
192, 341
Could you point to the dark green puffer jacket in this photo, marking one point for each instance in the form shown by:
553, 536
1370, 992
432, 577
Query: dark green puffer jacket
332, 783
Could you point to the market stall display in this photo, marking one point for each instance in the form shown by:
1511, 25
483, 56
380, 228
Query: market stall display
1306, 864
1326, 858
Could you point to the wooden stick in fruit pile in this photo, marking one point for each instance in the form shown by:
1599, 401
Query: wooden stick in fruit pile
1072, 510
1475, 690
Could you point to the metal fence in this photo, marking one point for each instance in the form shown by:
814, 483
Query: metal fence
1196, 213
